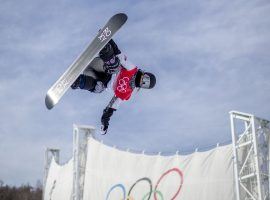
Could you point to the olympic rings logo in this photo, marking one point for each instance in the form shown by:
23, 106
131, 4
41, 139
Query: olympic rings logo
156, 193
123, 84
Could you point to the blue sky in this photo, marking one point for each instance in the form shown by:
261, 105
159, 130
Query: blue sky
209, 57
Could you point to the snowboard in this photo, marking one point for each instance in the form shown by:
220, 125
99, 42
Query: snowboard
59, 88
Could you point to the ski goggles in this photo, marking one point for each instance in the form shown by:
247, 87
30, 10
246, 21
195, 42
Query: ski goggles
112, 66
147, 80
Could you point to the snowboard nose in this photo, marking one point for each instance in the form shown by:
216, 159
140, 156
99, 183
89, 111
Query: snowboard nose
49, 102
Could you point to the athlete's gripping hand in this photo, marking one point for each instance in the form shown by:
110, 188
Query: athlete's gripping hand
107, 113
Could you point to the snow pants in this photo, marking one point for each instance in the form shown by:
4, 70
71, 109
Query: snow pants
95, 76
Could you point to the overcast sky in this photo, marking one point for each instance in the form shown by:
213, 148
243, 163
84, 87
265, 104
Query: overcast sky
209, 57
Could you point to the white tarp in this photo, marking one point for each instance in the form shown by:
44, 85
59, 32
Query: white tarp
112, 174
59, 181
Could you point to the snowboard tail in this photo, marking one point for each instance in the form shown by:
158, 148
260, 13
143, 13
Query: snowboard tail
60, 87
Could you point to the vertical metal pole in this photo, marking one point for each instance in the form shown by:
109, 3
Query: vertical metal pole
251, 179
259, 188
268, 167
45, 173
75, 163
235, 158
49, 154
80, 139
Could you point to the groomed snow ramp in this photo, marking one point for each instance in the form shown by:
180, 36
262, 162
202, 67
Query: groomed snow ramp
100, 172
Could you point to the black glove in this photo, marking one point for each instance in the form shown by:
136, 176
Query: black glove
107, 113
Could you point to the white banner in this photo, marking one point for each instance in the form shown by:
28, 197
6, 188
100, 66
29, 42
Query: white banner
112, 174
59, 182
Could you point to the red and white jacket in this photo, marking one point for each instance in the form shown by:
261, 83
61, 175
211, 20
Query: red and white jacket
120, 83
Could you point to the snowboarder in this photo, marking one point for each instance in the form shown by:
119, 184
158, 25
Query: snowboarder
112, 70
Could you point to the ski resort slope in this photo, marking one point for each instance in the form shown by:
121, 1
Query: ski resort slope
114, 174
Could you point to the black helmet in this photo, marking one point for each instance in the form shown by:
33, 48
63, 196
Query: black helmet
109, 51
106, 53
145, 80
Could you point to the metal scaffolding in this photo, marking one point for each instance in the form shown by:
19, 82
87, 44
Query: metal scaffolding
50, 154
81, 134
80, 140
250, 138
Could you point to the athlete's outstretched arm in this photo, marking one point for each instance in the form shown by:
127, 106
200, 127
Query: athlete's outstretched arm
108, 112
